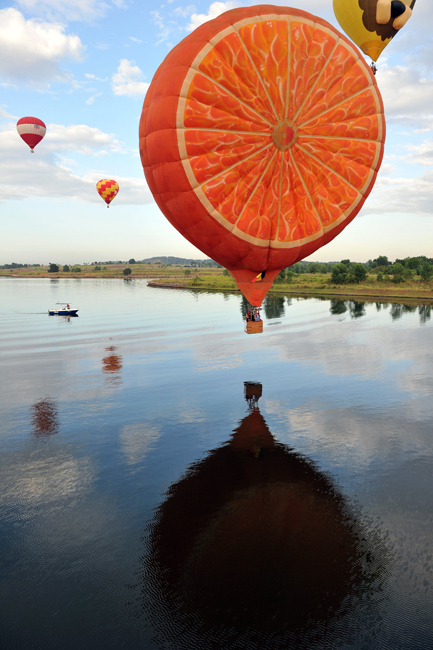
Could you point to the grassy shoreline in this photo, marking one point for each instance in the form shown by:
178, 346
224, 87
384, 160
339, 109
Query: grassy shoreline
213, 279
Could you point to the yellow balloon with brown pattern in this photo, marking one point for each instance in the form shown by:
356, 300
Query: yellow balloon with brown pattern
372, 24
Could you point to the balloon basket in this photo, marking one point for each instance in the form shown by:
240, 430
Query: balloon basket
252, 391
253, 321
254, 327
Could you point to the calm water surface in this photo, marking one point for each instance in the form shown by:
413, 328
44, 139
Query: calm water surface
149, 499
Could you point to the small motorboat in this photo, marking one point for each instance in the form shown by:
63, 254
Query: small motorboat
62, 309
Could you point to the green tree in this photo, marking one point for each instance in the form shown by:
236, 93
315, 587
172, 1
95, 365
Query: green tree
131, 261
426, 272
357, 273
346, 262
187, 272
339, 273
225, 272
76, 269
281, 277
127, 271
97, 268
412, 263
53, 268
397, 272
66, 269
382, 260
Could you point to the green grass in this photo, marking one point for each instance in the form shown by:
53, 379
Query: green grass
215, 280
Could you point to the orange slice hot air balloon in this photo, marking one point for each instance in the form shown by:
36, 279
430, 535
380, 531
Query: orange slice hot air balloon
107, 190
261, 136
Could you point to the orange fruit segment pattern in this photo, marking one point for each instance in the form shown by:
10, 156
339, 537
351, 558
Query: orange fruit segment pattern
281, 129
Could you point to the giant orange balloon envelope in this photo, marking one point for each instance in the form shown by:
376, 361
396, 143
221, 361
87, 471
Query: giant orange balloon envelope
31, 130
261, 136
107, 190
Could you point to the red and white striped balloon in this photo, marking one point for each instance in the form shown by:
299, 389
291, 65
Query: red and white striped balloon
32, 130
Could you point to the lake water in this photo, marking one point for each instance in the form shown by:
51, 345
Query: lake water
151, 499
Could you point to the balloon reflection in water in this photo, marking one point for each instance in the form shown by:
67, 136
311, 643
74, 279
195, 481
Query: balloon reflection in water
254, 547
45, 418
112, 363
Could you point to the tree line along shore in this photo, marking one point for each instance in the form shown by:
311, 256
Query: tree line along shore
411, 277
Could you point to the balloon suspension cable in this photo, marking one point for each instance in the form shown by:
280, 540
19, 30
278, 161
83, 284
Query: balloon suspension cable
253, 310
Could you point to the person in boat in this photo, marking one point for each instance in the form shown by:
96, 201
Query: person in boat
67, 307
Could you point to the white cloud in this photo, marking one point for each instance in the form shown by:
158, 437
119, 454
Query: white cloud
402, 195
33, 481
407, 96
184, 11
164, 29
422, 154
81, 138
4, 115
66, 9
91, 100
135, 40
128, 80
92, 76
136, 440
48, 174
31, 50
215, 9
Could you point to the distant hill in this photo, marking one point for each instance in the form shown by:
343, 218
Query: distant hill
178, 260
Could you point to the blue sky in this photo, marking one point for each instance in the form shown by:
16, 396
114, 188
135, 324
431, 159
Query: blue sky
83, 67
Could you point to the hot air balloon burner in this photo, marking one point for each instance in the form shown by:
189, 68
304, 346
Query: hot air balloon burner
285, 135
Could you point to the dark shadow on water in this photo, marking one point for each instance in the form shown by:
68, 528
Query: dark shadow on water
254, 547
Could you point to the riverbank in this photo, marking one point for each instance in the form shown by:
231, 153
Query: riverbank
214, 279
348, 294
314, 285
